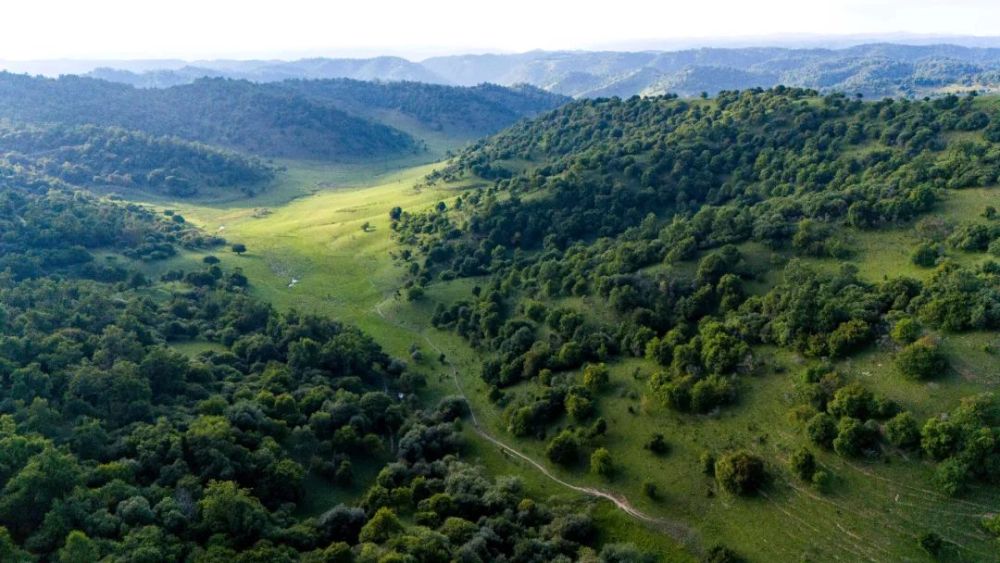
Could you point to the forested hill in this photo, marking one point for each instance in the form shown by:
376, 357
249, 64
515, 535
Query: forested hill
109, 157
468, 112
229, 113
181, 419
315, 119
698, 232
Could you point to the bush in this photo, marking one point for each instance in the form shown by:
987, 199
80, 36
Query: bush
925, 255
601, 464
906, 330
564, 449
822, 429
803, 464
822, 480
931, 543
921, 360
658, 445
902, 431
951, 476
649, 489
740, 473
854, 437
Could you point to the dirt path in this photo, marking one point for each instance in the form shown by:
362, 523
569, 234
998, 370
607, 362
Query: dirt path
679, 532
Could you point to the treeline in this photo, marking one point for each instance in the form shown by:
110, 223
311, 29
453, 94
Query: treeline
229, 113
109, 157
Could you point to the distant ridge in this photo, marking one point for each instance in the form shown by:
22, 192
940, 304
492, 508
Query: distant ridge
875, 69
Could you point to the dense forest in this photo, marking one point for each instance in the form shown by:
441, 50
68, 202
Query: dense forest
109, 157
118, 447
229, 113
654, 206
474, 111
312, 119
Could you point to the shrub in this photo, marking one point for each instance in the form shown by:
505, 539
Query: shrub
803, 464
658, 445
921, 360
925, 255
740, 473
906, 330
601, 464
649, 489
822, 429
564, 449
902, 431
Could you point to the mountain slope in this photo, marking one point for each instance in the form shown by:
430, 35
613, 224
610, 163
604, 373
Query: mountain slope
99, 157
233, 114
804, 287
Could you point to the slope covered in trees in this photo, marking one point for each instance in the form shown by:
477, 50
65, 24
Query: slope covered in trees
118, 446
229, 113
102, 157
699, 233
313, 119
474, 111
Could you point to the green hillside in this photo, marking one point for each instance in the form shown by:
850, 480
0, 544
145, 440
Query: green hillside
229, 113
107, 157
771, 307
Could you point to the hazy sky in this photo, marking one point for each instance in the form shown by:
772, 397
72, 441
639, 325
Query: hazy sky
36, 29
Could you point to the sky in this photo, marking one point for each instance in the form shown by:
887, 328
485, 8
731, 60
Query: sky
201, 29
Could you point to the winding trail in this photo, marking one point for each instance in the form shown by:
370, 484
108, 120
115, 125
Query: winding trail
679, 532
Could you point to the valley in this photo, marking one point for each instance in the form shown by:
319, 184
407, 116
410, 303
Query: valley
314, 235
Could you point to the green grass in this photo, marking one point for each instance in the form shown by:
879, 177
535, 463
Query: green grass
312, 233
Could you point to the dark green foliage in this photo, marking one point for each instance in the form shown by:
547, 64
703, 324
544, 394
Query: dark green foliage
803, 464
254, 118
564, 449
925, 255
921, 360
601, 464
931, 542
822, 429
658, 445
903, 431
108, 157
740, 473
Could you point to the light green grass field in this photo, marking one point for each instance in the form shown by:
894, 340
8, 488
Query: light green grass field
312, 233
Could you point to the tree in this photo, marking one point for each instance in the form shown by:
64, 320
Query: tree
396, 213
381, 527
803, 464
595, 377
239, 248
78, 548
740, 473
563, 449
365, 226
906, 330
601, 464
931, 543
921, 360
925, 255
902, 431
228, 509
657, 444
822, 429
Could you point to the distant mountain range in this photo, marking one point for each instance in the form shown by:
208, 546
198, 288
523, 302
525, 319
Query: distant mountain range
878, 69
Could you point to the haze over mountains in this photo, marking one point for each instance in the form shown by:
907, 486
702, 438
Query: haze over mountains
874, 70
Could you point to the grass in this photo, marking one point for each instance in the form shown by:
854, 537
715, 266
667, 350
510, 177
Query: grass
312, 233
